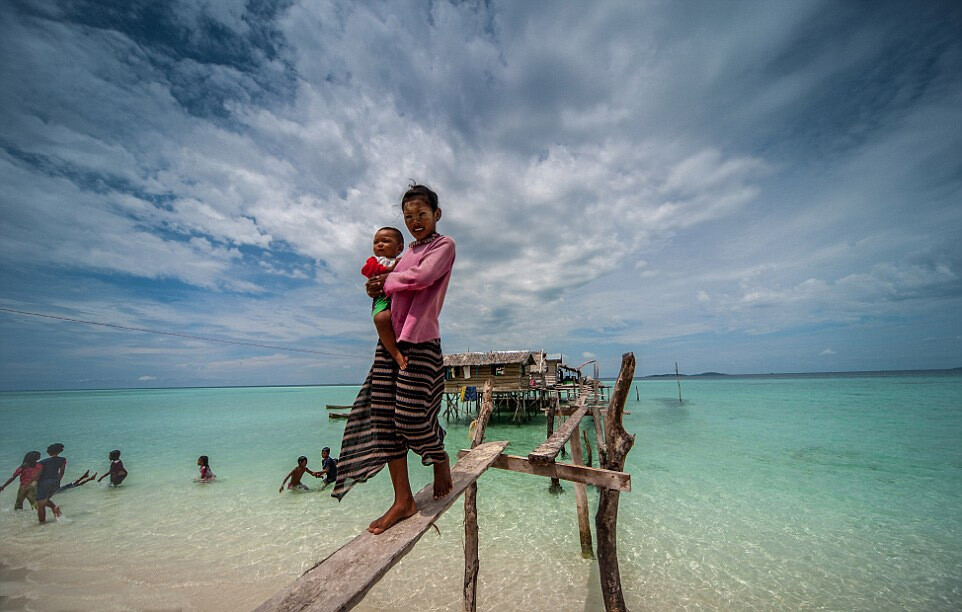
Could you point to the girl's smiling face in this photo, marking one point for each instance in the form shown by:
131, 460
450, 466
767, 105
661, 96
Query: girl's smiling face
420, 219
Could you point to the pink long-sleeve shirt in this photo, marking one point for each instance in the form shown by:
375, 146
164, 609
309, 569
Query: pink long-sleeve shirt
417, 287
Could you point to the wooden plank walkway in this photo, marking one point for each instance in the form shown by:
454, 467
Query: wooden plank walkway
341, 580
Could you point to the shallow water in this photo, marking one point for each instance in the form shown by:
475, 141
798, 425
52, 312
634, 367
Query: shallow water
799, 493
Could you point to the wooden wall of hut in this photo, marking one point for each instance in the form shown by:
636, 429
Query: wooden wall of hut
504, 377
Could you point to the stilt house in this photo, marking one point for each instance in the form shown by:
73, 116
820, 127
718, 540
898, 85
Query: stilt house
507, 370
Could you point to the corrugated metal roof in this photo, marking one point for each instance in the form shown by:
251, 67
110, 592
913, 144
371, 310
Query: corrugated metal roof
489, 358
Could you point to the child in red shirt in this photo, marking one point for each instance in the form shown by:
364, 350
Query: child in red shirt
29, 471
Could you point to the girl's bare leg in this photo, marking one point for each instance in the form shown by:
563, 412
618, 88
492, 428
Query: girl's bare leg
404, 505
442, 478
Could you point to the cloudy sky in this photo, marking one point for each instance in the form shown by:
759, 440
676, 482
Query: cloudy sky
736, 186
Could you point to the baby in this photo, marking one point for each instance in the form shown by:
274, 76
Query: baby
388, 244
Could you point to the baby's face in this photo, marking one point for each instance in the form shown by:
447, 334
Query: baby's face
386, 244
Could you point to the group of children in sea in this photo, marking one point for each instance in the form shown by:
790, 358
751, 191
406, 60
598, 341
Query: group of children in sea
40, 478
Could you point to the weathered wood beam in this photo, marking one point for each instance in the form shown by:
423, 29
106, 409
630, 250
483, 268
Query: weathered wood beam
472, 563
598, 477
548, 450
617, 442
342, 579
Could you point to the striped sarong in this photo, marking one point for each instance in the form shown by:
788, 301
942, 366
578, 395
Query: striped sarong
395, 410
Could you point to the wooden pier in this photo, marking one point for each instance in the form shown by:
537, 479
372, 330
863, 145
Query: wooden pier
342, 579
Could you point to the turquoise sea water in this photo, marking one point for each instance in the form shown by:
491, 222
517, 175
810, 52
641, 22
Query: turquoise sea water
771, 493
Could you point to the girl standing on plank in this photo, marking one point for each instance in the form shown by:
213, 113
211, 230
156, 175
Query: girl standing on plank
396, 409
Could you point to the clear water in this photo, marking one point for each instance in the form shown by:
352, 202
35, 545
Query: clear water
792, 493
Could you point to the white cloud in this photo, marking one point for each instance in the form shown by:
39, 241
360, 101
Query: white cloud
665, 173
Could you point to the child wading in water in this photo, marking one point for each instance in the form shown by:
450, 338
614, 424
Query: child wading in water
388, 244
296, 475
117, 471
206, 474
49, 482
29, 472
328, 467
397, 409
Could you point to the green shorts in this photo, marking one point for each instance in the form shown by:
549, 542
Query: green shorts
381, 303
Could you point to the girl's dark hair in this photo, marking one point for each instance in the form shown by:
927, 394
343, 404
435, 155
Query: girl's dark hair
31, 459
301, 458
114, 455
204, 460
422, 193
56, 447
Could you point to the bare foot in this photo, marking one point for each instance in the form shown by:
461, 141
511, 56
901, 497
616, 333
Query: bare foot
395, 514
85, 474
442, 478
401, 360
56, 511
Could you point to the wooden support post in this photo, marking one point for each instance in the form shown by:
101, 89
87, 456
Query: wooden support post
617, 442
471, 561
555, 487
581, 499
588, 457
599, 432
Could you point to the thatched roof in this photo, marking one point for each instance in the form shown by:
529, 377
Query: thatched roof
490, 358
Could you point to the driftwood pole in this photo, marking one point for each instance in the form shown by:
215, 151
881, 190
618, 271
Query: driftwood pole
471, 561
617, 444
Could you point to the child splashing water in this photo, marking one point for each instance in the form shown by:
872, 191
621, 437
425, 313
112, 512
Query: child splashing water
388, 244
397, 409
296, 474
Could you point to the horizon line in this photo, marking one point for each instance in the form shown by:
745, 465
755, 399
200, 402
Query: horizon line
344, 384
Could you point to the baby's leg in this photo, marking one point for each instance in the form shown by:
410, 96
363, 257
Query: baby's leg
385, 331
